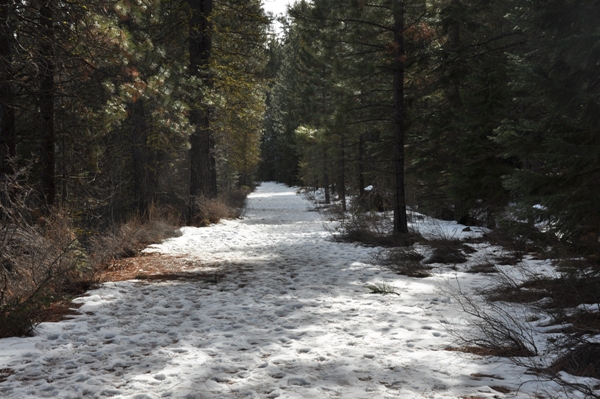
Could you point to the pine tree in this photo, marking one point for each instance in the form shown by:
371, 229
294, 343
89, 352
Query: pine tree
553, 130
461, 100
203, 179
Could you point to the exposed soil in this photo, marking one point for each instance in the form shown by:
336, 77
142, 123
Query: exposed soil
153, 267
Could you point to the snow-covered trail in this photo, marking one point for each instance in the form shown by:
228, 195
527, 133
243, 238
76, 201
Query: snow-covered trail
291, 318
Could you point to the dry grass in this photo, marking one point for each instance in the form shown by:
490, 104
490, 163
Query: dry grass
582, 361
43, 262
448, 251
403, 260
128, 239
483, 267
567, 291
38, 263
209, 211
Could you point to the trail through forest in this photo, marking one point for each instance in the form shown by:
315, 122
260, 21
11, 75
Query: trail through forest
278, 310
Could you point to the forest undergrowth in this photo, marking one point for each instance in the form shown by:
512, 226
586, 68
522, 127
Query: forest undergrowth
541, 308
49, 257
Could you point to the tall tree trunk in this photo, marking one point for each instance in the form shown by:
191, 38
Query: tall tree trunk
47, 71
361, 166
202, 158
139, 151
454, 49
453, 92
342, 176
326, 183
400, 219
7, 112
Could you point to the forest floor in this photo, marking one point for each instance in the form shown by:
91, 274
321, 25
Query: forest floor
267, 306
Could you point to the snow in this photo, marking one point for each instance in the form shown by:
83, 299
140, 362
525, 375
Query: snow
291, 318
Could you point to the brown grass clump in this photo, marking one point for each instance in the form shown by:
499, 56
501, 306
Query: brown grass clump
209, 211
567, 291
38, 263
448, 251
484, 267
582, 361
130, 238
43, 262
403, 260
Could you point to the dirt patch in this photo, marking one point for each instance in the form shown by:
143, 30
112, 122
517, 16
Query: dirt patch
579, 323
145, 267
61, 310
152, 267
567, 291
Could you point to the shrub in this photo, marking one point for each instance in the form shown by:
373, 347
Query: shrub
403, 260
229, 205
129, 239
38, 263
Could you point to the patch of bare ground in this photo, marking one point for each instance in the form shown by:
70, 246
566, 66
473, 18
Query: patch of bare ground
152, 267
61, 310
147, 267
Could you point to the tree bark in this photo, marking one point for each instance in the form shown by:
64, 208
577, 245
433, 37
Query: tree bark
202, 158
361, 166
400, 219
326, 174
138, 133
7, 112
454, 48
342, 176
46, 102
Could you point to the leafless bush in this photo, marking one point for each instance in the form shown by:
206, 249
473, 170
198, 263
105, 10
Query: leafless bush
570, 356
210, 211
447, 251
403, 260
236, 198
229, 205
366, 227
39, 260
495, 327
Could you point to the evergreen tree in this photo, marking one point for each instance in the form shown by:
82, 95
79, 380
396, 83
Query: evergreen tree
462, 97
203, 179
553, 129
